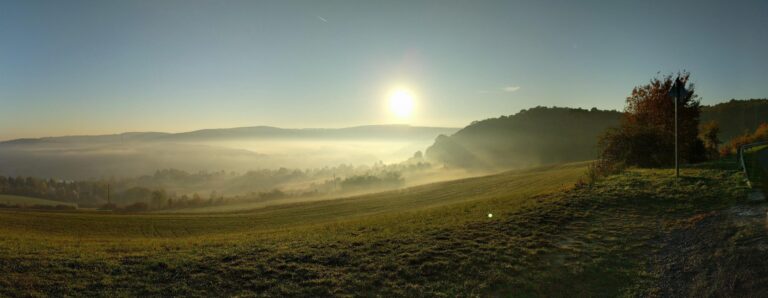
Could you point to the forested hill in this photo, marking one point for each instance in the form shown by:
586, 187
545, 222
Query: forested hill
545, 135
736, 116
535, 136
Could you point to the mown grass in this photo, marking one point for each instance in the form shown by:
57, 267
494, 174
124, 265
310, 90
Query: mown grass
546, 238
14, 200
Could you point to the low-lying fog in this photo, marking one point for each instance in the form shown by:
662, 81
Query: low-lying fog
239, 150
313, 154
216, 169
83, 161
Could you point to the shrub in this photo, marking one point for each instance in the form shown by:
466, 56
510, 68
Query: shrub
708, 133
601, 168
760, 134
646, 137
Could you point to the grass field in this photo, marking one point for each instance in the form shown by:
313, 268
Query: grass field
29, 201
754, 160
545, 238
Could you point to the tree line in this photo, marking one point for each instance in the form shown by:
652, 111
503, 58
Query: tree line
645, 136
125, 195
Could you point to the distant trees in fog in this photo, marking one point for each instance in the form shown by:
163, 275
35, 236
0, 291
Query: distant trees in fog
80, 192
367, 182
176, 189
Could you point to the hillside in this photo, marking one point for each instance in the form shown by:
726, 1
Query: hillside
544, 135
627, 235
13, 200
536, 136
736, 116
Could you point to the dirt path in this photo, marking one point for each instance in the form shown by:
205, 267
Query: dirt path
722, 254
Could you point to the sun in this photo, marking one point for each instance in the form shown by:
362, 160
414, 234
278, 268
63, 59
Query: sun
401, 103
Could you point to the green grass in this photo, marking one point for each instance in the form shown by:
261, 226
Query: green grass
29, 201
513, 186
756, 170
546, 238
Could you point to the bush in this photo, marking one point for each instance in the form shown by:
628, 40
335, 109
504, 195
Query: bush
760, 134
637, 146
708, 133
646, 137
601, 168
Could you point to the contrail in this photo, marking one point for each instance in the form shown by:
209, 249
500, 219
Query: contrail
322, 19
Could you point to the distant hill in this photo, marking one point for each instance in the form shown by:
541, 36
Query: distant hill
14, 200
535, 136
232, 149
736, 116
112, 138
368, 132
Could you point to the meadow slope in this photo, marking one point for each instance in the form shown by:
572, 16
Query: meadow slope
14, 200
546, 237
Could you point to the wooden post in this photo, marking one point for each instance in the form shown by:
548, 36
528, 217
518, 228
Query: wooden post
677, 98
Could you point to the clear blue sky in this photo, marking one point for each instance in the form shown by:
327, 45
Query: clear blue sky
86, 67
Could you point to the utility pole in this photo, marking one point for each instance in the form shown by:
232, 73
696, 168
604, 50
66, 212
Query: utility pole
109, 200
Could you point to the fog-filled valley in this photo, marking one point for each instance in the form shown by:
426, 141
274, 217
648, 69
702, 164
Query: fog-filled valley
237, 149
220, 166
253, 166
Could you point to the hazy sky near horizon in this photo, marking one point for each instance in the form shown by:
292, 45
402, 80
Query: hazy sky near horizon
92, 67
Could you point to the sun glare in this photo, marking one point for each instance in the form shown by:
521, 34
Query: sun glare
401, 103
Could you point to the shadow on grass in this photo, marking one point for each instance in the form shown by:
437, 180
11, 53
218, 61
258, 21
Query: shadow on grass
726, 163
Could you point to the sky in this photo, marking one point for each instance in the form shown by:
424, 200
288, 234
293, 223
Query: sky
97, 67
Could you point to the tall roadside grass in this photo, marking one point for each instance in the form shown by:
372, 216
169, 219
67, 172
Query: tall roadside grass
599, 169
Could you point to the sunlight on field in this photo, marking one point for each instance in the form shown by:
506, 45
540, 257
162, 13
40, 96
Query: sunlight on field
506, 188
544, 232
